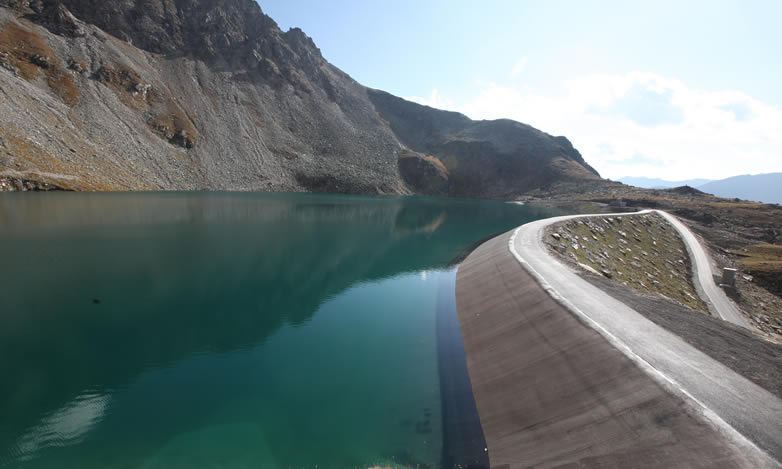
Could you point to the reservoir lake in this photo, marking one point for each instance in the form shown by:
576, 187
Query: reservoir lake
180, 330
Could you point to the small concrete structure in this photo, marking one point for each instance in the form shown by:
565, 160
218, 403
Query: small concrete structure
728, 277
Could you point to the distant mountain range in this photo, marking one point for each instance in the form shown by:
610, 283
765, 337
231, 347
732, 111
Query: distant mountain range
652, 183
759, 187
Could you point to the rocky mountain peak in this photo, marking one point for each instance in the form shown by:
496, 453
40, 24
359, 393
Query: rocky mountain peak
211, 94
202, 28
233, 34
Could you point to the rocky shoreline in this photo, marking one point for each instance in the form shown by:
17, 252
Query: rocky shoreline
13, 184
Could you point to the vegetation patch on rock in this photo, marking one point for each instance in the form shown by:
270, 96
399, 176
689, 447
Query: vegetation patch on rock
131, 88
165, 117
423, 173
764, 262
174, 125
27, 54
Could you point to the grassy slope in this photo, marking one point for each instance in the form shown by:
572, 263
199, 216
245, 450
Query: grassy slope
640, 251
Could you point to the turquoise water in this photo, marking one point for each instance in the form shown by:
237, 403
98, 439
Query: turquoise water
231, 330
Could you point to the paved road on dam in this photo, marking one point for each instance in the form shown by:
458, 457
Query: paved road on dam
712, 294
564, 374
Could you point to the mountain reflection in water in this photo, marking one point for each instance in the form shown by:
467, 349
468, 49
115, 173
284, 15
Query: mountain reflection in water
99, 290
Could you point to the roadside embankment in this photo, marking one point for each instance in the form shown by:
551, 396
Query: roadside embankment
641, 261
731, 230
645, 253
642, 252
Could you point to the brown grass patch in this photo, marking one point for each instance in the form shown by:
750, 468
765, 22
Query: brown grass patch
761, 258
39, 159
431, 159
168, 121
42, 166
175, 126
127, 84
29, 53
764, 262
120, 78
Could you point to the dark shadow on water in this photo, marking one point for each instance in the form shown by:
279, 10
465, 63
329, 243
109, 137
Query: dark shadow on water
463, 441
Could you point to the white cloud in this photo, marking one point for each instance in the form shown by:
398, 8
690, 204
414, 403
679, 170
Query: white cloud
434, 100
679, 132
518, 67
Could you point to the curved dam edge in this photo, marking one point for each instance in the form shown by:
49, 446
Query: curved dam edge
746, 412
551, 390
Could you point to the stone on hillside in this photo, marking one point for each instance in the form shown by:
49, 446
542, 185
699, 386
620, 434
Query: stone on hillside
76, 67
4, 63
588, 268
41, 61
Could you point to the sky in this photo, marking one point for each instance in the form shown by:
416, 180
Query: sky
664, 89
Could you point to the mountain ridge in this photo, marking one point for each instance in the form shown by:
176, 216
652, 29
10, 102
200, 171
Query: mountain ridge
754, 187
655, 183
211, 94
758, 187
